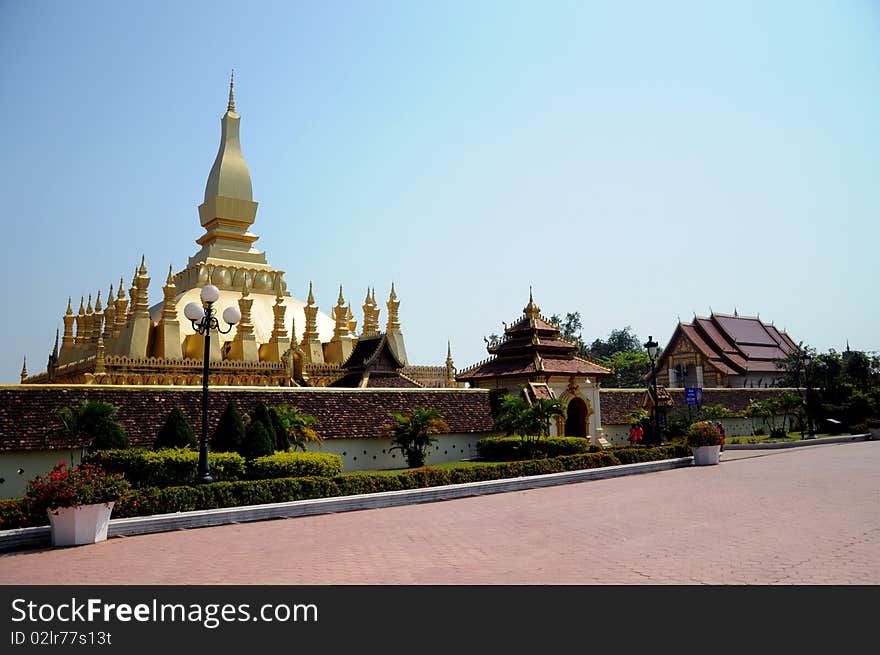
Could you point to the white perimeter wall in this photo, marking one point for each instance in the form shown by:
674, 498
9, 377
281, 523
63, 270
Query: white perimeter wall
31, 463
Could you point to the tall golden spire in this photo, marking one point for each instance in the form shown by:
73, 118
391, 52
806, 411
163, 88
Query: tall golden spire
24, 372
231, 105
532, 311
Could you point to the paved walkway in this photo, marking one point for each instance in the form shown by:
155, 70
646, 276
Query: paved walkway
796, 516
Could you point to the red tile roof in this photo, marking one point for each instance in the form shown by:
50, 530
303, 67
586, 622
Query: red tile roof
26, 410
735, 345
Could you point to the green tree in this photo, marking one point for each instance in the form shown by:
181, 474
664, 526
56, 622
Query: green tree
618, 341
298, 427
92, 423
517, 416
262, 414
413, 432
229, 434
629, 367
257, 441
176, 432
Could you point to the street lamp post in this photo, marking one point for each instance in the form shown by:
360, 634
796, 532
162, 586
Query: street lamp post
811, 430
203, 321
651, 347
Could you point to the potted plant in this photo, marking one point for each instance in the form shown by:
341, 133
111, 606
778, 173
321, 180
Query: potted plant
78, 502
705, 440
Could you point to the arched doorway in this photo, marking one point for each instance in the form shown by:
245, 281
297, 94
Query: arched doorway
576, 416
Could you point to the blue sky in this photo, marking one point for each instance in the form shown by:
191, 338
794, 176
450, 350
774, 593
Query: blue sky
636, 162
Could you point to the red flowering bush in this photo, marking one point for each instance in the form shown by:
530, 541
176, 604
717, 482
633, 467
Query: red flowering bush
636, 433
704, 433
84, 485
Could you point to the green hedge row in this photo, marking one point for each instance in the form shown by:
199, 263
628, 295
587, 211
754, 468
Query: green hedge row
502, 449
294, 465
155, 500
178, 466
167, 467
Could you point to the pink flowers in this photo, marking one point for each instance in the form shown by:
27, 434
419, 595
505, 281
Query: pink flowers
635, 434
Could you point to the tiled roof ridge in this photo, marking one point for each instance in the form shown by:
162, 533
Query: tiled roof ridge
594, 363
478, 364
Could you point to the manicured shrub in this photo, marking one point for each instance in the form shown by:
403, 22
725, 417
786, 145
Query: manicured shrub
777, 433
499, 449
262, 414
294, 465
257, 441
164, 468
229, 434
282, 440
177, 432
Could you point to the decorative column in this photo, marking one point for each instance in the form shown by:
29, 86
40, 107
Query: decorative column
244, 345
135, 335
167, 343
67, 342
279, 342
392, 329
341, 345
313, 350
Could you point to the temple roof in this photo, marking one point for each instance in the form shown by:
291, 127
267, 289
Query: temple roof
373, 364
733, 344
532, 346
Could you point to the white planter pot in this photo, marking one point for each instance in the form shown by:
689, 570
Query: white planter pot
83, 524
706, 455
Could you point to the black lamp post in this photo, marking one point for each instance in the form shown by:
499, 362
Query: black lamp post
808, 401
203, 321
651, 347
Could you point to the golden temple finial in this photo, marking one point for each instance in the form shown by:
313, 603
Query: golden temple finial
69, 307
448, 351
143, 268
311, 299
110, 294
532, 311
341, 300
393, 295
82, 305
121, 294
89, 309
24, 372
98, 306
231, 105
170, 278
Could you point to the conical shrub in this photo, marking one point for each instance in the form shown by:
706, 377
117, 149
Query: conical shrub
262, 414
257, 441
229, 435
177, 432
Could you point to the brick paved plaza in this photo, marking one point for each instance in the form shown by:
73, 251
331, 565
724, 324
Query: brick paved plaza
797, 516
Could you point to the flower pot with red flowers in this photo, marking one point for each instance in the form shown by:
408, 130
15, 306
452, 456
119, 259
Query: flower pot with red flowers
705, 440
78, 501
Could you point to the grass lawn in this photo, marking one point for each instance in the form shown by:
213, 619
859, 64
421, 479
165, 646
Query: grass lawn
791, 436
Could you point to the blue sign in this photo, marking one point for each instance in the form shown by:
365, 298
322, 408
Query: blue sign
693, 395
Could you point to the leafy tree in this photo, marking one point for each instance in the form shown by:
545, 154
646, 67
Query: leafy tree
413, 432
282, 441
297, 427
517, 416
630, 369
92, 422
618, 341
257, 441
177, 432
228, 436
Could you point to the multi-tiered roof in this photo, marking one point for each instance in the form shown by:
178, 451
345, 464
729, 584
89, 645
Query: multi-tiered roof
532, 347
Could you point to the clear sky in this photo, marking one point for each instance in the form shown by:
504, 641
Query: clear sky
636, 162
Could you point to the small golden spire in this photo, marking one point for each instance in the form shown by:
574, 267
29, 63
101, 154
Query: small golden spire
341, 300
143, 269
89, 306
69, 307
98, 306
110, 294
24, 372
448, 351
393, 295
82, 305
311, 295
231, 105
170, 279
121, 294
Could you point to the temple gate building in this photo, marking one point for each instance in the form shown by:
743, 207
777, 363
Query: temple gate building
533, 359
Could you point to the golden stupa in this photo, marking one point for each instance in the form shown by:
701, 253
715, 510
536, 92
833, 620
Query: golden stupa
280, 340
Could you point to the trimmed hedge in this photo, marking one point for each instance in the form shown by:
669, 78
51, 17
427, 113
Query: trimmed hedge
502, 449
294, 465
167, 467
155, 500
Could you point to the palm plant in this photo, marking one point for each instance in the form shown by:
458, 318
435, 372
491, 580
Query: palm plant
91, 424
298, 426
413, 432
